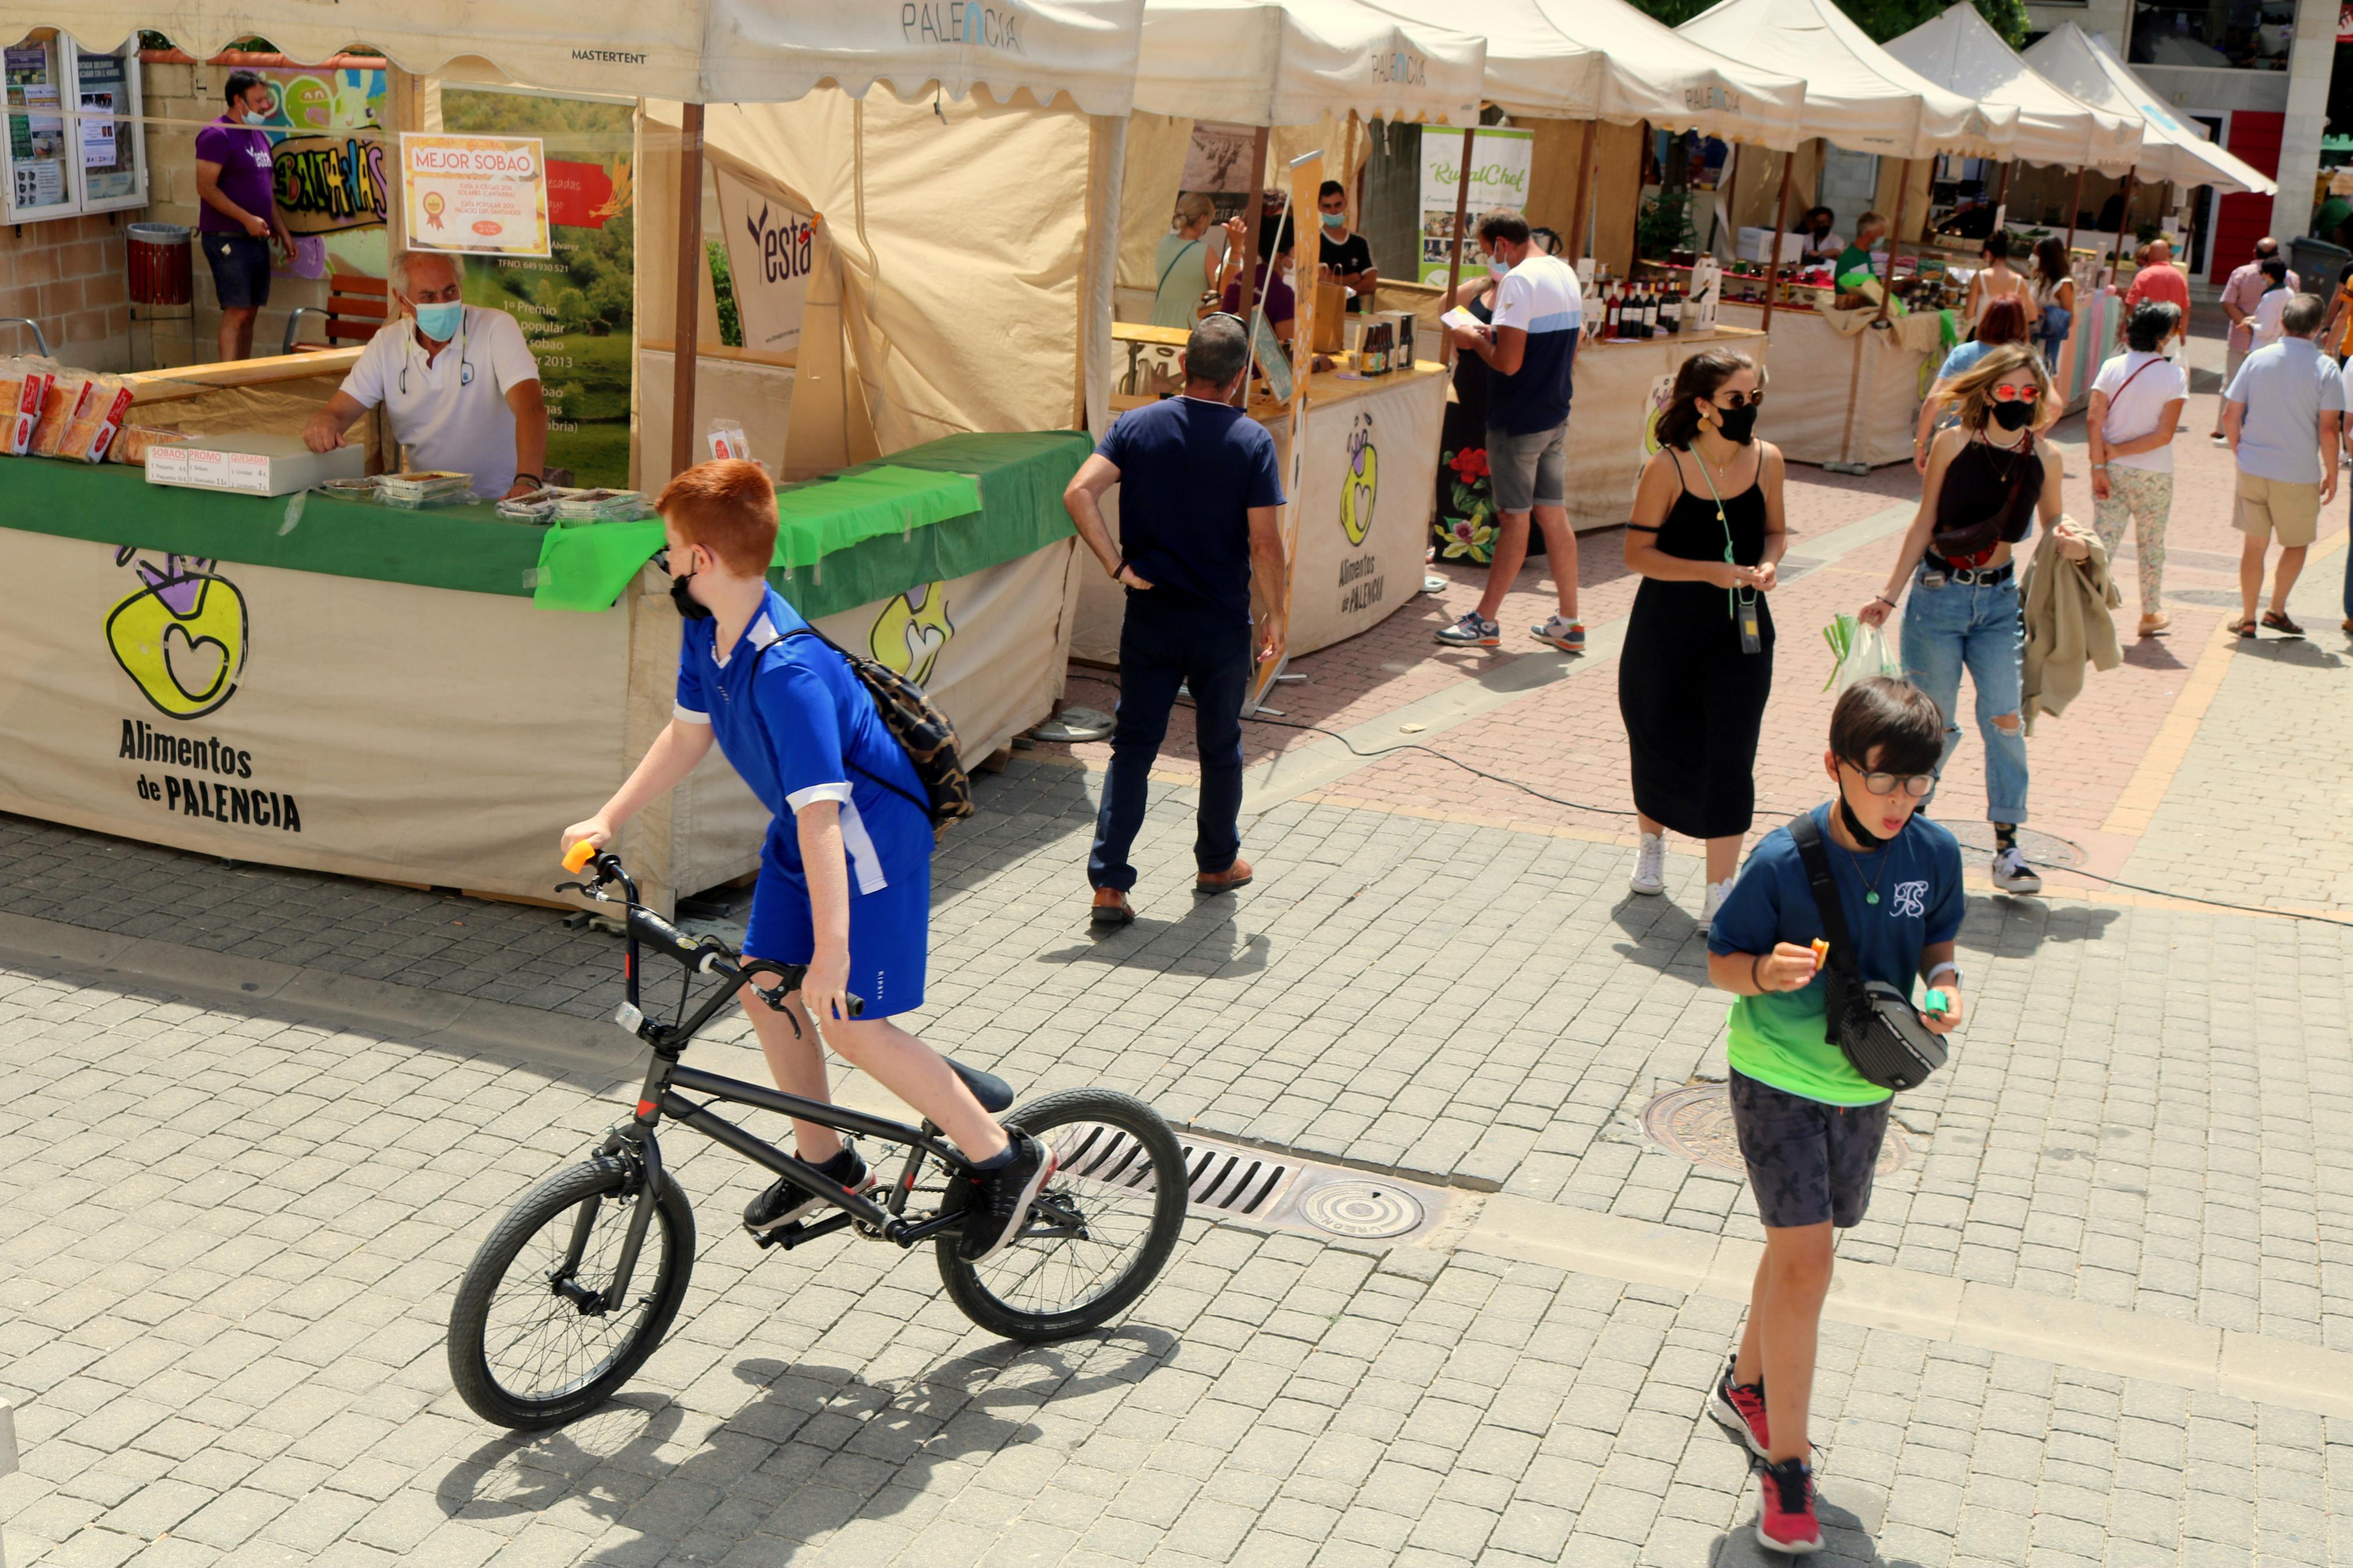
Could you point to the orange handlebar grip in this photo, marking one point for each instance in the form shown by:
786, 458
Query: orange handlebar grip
576, 858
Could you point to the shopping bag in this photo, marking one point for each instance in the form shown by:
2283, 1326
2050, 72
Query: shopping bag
1861, 652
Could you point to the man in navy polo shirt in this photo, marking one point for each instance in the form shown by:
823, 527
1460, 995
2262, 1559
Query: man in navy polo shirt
1199, 486
845, 874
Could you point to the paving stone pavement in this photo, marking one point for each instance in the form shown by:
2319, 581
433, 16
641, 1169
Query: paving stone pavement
235, 1239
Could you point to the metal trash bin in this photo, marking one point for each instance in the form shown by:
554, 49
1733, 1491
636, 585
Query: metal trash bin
2315, 263
161, 264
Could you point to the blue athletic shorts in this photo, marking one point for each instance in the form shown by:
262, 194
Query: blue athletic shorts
890, 930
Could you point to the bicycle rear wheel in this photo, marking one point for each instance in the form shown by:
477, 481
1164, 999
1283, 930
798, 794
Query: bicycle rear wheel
1102, 1228
529, 1346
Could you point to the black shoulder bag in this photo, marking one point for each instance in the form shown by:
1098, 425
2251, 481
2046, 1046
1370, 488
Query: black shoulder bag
1874, 1024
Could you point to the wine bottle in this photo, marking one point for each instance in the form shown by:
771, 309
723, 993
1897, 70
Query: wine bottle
1671, 313
1616, 313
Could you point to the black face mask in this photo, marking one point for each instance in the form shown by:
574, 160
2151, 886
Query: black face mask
693, 608
1862, 836
2014, 415
1737, 426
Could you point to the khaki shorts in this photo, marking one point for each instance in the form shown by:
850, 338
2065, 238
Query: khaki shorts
2275, 509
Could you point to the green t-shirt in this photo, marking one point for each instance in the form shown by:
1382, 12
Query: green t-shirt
2333, 211
1854, 259
1896, 902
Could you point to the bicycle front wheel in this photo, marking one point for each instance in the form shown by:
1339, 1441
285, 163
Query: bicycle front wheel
1102, 1229
532, 1341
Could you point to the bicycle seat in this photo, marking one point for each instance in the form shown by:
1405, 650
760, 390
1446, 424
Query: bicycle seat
993, 1093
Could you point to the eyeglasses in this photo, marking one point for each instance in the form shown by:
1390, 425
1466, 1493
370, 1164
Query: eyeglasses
1743, 399
2007, 393
1916, 785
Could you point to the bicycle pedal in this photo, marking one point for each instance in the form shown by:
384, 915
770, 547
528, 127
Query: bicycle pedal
783, 1236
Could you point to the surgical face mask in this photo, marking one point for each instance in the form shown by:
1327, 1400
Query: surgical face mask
1497, 267
252, 119
2014, 415
1336, 220
440, 322
1737, 426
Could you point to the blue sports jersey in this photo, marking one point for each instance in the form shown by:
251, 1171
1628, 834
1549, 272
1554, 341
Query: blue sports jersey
798, 726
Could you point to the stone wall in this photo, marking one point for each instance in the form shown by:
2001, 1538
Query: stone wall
68, 275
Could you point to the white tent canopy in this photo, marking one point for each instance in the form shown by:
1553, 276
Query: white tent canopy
1602, 60
702, 51
1292, 62
1959, 50
2171, 148
1857, 96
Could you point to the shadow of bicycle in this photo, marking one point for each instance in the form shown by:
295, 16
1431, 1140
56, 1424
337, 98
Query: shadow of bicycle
816, 1447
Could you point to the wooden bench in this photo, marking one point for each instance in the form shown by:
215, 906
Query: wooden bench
358, 306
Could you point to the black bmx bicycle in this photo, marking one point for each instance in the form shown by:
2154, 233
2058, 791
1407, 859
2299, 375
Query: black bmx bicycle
577, 1285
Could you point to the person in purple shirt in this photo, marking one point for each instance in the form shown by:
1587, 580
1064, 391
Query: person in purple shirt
239, 218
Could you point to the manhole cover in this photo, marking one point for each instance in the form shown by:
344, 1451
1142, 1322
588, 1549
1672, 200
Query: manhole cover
1362, 1209
1696, 1123
2041, 848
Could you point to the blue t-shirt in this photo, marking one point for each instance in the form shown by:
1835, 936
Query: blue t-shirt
798, 726
1543, 298
1963, 356
1189, 472
1779, 1038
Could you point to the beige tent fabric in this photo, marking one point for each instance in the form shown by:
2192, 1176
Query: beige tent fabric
1289, 62
959, 260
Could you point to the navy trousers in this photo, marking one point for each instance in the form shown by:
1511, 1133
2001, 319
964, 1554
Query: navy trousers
1167, 641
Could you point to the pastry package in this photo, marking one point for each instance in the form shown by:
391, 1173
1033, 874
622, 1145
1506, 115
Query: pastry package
97, 418
23, 383
131, 445
58, 401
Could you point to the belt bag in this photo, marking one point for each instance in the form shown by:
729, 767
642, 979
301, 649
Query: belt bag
1871, 1022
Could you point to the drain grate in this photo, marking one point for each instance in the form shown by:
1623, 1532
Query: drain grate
1230, 1181
1696, 1123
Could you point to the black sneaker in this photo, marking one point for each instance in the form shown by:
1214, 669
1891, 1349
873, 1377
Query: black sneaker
999, 1200
784, 1203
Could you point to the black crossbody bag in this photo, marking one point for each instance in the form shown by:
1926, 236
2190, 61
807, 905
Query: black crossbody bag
1874, 1024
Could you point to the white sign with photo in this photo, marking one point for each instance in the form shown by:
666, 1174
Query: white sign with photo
1499, 162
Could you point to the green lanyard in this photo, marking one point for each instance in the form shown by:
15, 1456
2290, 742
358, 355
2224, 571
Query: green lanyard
1732, 597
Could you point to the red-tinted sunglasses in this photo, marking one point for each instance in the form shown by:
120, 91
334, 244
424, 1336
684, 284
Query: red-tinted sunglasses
2007, 394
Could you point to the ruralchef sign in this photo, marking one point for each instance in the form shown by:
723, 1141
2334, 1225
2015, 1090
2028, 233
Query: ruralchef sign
485, 195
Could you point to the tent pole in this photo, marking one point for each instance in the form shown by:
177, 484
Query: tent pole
687, 286
1731, 207
2002, 193
1578, 248
1773, 244
2123, 217
2074, 207
1634, 224
1461, 217
1253, 218
1894, 237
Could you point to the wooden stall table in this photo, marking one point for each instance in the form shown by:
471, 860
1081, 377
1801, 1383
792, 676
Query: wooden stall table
1843, 394
1619, 383
426, 696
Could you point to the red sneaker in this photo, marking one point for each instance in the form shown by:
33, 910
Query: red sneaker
1740, 1407
1786, 1522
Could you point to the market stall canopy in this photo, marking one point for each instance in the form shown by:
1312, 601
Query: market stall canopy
2171, 147
1857, 96
1292, 62
701, 51
1602, 60
1960, 51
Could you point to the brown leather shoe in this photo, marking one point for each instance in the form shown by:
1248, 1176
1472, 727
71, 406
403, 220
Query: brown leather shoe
1111, 908
1237, 875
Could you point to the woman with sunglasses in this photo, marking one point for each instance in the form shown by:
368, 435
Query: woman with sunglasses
1706, 536
1989, 479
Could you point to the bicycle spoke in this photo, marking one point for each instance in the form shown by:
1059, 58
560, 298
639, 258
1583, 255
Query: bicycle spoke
538, 1343
1108, 1183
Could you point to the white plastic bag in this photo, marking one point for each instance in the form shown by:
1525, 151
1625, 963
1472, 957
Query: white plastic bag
1862, 653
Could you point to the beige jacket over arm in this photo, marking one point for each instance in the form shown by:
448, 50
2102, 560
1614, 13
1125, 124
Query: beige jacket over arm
2068, 624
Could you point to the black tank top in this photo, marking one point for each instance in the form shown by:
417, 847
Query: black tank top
1989, 499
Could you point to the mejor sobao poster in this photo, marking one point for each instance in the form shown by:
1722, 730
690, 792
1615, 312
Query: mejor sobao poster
486, 196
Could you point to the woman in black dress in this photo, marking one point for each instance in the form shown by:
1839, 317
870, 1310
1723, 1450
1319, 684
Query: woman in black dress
1707, 536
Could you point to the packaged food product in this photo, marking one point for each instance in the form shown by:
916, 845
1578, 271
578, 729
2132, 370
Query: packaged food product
131, 445
22, 384
58, 401
105, 404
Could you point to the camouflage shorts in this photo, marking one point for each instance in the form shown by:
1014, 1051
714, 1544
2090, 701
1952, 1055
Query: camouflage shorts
1808, 1161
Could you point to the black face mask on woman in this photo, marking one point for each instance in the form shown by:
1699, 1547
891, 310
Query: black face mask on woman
2014, 415
1737, 426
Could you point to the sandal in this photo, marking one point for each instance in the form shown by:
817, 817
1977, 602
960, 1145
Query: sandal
2277, 620
2150, 625
2244, 628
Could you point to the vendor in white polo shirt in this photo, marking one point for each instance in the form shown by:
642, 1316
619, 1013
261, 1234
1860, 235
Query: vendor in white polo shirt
458, 380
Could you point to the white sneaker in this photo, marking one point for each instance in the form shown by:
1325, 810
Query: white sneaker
1716, 893
2012, 873
1650, 864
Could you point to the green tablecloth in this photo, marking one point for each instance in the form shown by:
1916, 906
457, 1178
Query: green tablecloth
873, 531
